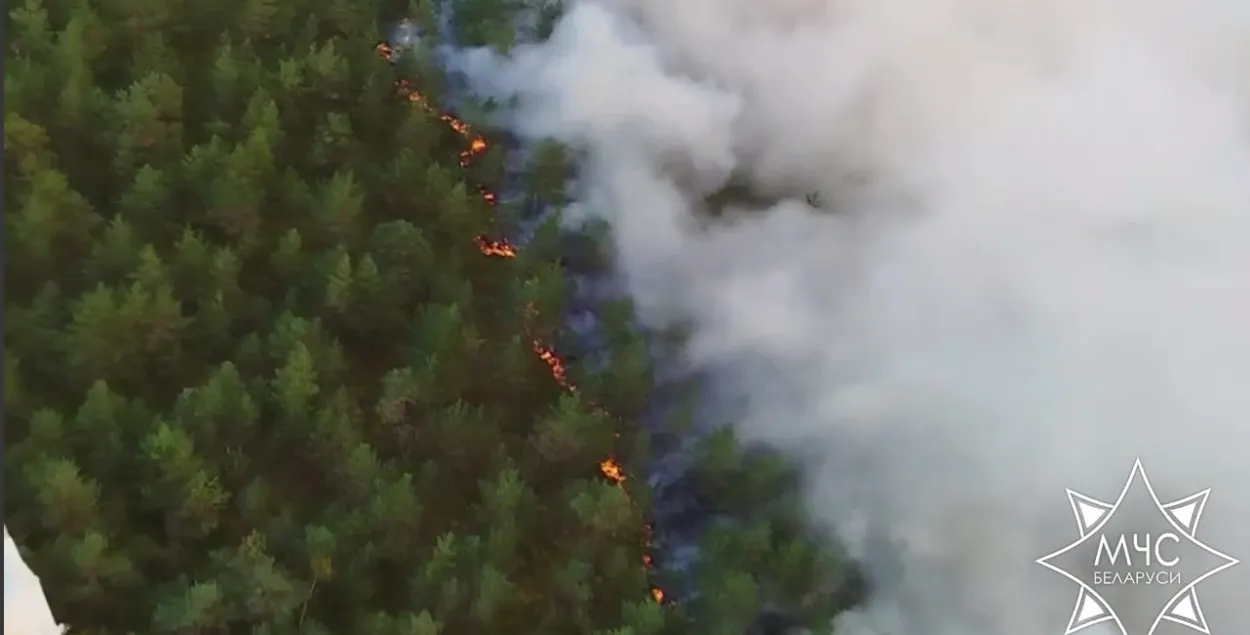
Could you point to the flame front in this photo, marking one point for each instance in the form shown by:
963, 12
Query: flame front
477, 145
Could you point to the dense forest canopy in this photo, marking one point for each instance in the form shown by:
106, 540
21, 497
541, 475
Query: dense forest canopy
271, 367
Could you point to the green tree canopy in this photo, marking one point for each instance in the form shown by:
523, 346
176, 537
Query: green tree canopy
260, 376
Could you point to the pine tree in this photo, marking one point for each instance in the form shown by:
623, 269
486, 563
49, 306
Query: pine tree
266, 372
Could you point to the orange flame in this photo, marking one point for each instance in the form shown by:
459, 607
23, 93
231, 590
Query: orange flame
495, 247
612, 471
477, 145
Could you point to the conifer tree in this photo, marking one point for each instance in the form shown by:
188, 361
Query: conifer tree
263, 374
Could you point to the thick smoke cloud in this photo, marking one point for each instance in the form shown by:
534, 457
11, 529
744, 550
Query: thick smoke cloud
1032, 266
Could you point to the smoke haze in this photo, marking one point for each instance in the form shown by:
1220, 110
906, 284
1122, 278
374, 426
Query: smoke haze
1032, 266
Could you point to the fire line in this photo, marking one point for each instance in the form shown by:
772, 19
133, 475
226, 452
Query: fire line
609, 468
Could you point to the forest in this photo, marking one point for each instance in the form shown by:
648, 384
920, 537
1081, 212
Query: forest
273, 364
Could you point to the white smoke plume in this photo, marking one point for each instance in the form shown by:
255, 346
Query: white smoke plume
1033, 265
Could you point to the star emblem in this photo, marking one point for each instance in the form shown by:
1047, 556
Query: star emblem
1101, 531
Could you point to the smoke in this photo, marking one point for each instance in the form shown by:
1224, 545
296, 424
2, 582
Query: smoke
1032, 265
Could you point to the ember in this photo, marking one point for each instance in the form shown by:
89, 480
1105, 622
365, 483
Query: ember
610, 469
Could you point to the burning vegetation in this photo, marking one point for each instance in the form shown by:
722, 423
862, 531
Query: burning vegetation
476, 145
248, 390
